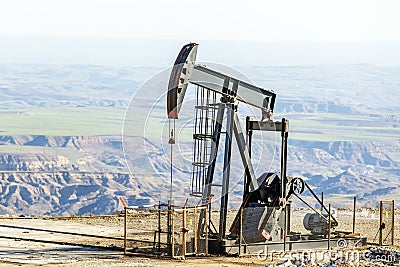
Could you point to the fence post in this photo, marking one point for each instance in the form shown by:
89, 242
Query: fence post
169, 231
172, 233
184, 230
354, 215
329, 227
206, 226
195, 230
380, 223
393, 211
159, 226
240, 229
125, 228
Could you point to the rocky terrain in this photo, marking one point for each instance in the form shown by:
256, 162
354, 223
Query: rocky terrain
66, 175
86, 175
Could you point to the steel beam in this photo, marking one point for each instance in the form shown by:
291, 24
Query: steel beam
246, 92
244, 153
226, 171
231, 110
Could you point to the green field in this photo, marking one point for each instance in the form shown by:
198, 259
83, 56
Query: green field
91, 121
63, 121
329, 127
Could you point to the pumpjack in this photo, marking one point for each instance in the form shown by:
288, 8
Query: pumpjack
264, 214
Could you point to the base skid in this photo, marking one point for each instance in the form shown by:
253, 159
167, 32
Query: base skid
293, 243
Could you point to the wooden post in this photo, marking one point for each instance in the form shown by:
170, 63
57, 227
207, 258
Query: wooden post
169, 229
206, 226
184, 230
393, 211
172, 233
354, 215
196, 237
159, 226
380, 223
125, 228
240, 229
329, 227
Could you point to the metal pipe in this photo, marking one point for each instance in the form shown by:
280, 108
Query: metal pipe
172, 142
322, 201
283, 166
284, 134
249, 136
240, 229
287, 223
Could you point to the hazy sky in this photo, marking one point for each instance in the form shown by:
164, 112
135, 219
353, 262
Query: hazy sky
267, 20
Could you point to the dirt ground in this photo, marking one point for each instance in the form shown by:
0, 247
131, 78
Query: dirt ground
98, 240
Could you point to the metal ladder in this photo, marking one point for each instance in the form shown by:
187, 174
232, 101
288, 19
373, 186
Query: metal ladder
204, 124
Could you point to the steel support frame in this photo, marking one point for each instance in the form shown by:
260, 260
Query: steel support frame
277, 126
213, 158
229, 91
233, 125
231, 111
283, 127
284, 136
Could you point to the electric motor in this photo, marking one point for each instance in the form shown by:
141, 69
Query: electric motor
317, 224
